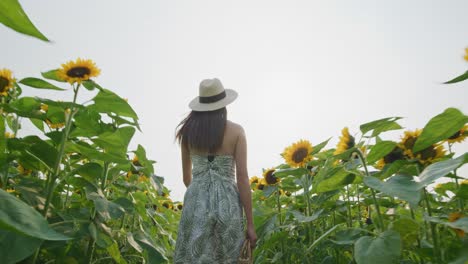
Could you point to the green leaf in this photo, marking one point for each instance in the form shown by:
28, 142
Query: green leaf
15, 247
462, 192
37, 123
115, 142
317, 148
93, 154
155, 255
52, 75
44, 152
322, 237
39, 83
3, 154
104, 207
109, 102
147, 165
297, 172
381, 125
440, 127
401, 186
408, 230
384, 249
114, 252
301, 218
91, 171
460, 78
13, 16
335, 180
19, 217
133, 243
440, 169
379, 150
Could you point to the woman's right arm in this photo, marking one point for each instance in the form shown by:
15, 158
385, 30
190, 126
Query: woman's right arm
243, 184
186, 165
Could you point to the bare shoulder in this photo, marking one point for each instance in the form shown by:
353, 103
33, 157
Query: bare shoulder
235, 128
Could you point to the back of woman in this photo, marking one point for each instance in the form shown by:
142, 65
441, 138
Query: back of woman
214, 154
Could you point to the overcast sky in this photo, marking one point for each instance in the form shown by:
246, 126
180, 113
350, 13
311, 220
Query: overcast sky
303, 69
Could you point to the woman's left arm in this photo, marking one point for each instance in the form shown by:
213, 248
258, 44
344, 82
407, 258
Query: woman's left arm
186, 165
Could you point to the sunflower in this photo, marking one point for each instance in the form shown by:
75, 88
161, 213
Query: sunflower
22, 170
252, 180
459, 136
6, 81
44, 108
464, 182
298, 154
426, 156
136, 161
78, 71
9, 135
346, 142
466, 54
270, 179
168, 204
261, 184
394, 155
454, 217
54, 125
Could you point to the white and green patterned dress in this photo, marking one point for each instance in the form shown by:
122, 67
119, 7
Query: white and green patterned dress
211, 228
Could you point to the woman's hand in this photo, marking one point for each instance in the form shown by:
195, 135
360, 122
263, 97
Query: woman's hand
251, 235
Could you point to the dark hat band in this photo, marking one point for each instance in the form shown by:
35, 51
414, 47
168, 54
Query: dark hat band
212, 99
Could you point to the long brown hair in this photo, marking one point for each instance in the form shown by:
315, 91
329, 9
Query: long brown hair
203, 131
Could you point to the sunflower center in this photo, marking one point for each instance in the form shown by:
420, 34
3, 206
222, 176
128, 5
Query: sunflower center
270, 179
3, 83
427, 153
351, 142
409, 143
456, 135
299, 155
78, 72
396, 154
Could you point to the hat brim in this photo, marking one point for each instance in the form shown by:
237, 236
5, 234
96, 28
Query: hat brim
195, 104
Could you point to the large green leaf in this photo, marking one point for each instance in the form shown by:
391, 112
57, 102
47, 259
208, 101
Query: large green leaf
384, 249
401, 186
40, 84
440, 169
440, 127
15, 247
52, 75
408, 230
13, 16
381, 125
44, 152
337, 179
93, 154
379, 150
104, 207
19, 217
155, 253
109, 102
297, 172
115, 142
91, 171
460, 78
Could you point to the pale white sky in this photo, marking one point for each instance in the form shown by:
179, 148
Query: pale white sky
303, 69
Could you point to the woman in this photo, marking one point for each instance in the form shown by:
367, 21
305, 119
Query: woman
214, 149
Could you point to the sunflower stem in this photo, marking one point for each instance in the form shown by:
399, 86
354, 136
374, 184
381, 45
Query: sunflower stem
350, 218
376, 204
359, 207
433, 228
457, 184
280, 219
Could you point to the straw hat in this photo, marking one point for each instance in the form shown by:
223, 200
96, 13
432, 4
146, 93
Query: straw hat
212, 96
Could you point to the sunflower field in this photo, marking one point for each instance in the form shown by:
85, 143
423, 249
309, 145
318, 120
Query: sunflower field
73, 192
368, 200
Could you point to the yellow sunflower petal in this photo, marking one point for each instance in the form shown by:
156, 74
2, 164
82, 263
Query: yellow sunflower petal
345, 142
466, 54
78, 71
298, 154
6, 81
